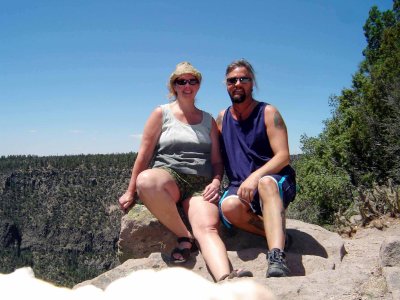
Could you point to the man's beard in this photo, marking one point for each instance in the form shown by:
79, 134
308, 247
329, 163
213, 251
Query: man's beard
238, 98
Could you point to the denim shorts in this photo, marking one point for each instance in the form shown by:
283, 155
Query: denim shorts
189, 185
287, 190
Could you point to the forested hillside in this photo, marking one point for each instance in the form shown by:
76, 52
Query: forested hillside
60, 214
353, 166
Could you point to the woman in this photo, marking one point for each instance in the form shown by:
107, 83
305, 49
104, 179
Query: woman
180, 142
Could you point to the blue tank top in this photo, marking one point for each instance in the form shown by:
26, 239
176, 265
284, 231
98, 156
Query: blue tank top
245, 145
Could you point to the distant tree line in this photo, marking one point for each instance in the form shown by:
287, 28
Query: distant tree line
72, 162
59, 214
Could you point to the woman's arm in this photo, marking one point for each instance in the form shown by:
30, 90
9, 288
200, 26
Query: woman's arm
151, 134
211, 192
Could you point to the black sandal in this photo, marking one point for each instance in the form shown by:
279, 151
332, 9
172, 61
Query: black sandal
185, 252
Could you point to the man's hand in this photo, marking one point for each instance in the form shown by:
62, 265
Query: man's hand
248, 188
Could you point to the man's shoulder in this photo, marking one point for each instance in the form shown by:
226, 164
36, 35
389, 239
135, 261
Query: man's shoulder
269, 108
222, 112
220, 117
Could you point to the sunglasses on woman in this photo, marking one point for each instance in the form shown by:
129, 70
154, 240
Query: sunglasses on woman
186, 81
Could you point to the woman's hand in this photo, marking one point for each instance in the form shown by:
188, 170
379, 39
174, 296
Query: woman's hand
211, 192
126, 201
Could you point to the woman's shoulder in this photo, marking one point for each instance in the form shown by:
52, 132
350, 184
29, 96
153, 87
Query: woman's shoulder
207, 114
158, 113
164, 109
159, 109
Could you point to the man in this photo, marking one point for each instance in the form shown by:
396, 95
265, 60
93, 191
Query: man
254, 145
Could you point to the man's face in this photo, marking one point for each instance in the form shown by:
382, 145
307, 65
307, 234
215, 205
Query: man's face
239, 84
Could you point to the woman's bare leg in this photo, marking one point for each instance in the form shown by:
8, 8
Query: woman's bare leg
159, 193
204, 219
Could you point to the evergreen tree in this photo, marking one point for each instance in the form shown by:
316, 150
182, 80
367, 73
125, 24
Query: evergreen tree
359, 146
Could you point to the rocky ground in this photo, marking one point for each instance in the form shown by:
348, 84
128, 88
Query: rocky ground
324, 265
367, 253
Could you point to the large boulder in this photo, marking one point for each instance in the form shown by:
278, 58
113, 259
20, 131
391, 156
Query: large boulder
389, 256
323, 264
390, 252
312, 247
142, 234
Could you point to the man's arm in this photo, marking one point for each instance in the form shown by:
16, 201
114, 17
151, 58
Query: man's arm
277, 134
278, 139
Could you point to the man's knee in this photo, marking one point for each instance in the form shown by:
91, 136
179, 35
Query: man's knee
268, 185
269, 192
231, 207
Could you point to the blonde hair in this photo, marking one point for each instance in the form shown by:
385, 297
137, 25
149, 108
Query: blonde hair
181, 68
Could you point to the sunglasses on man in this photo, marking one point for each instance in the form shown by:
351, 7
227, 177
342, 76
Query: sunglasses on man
233, 80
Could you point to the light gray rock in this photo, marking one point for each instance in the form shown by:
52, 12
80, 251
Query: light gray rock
392, 276
390, 252
389, 256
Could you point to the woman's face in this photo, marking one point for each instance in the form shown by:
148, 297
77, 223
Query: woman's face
186, 86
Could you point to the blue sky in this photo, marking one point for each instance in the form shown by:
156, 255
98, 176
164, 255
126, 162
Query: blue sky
83, 76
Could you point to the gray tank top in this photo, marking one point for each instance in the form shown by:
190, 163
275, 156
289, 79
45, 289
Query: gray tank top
182, 147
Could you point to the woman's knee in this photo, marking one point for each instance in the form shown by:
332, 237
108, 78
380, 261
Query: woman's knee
156, 183
204, 223
145, 181
203, 229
